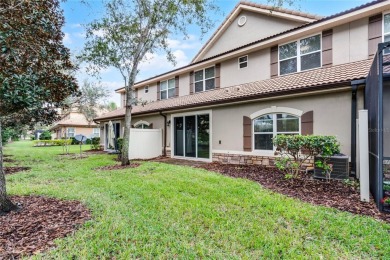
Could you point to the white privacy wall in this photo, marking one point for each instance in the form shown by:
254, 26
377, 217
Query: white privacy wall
145, 143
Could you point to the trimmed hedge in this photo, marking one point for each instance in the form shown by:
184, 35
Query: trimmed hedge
57, 142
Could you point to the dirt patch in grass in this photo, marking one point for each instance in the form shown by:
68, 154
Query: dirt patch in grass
12, 170
8, 160
117, 167
95, 152
40, 221
333, 193
73, 156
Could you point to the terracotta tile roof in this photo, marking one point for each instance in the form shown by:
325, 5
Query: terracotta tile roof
78, 120
298, 82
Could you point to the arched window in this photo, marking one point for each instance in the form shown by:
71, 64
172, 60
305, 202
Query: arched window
142, 125
266, 127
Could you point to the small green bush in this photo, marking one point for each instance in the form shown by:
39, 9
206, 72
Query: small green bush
95, 143
45, 135
294, 150
56, 142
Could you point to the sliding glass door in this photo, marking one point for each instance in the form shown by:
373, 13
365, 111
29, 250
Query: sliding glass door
192, 136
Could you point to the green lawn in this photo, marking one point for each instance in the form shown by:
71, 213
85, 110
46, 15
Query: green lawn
165, 211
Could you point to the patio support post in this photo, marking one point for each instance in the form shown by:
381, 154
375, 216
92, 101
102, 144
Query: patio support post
165, 134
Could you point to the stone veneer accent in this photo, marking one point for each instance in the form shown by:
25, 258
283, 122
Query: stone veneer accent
248, 159
243, 159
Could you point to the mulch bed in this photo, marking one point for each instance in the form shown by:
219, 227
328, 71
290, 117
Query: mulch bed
8, 160
94, 151
333, 193
117, 167
40, 220
12, 170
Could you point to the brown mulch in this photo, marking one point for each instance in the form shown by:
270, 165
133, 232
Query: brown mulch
117, 167
333, 193
12, 170
94, 151
7, 160
39, 221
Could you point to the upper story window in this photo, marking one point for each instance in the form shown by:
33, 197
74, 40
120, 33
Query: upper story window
243, 62
205, 79
146, 89
300, 55
167, 88
268, 126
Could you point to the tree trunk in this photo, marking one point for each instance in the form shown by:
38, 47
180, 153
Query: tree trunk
126, 136
5, 204
129, 106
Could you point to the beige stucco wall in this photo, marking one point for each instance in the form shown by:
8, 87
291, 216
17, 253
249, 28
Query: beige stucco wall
258, 69
332, 116
150, 96
350, 42
258, 26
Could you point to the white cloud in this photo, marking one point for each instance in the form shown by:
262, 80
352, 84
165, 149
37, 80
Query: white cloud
67, 39
76, 25
158, 63
188, 44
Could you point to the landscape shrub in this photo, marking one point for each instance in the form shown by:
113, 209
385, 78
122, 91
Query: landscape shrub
95, 143
56, 142
45, 135
295, 150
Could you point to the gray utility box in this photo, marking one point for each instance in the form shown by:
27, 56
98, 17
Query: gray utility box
340, 168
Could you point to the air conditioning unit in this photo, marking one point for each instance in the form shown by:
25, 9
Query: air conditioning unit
340, 168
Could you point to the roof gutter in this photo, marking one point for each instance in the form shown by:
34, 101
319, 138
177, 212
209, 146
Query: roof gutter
355, 86
246, 99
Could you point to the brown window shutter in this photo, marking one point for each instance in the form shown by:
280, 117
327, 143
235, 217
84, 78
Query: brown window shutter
307, 120
176, 86
327, 54
158, 90
191, 82
274, 61
218, 76
151, 126
374, 33
247, 124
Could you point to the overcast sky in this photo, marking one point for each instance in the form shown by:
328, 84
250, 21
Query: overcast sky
77, 15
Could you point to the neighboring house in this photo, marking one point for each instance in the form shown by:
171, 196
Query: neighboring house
264, 72
74, 123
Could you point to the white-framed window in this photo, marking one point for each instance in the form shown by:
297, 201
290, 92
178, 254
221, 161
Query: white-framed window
142, 125
96, 132
300, 55
386, 30
268, 126
204, 79
71, 132
146, 89
243, 62
167, 89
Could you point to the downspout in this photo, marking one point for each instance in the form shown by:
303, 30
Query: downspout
165, 133
355, 85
